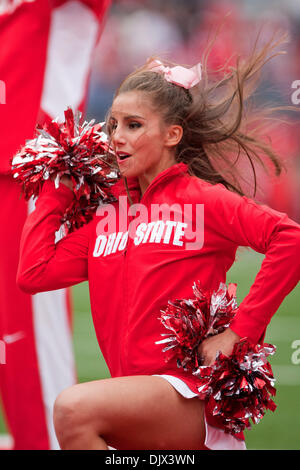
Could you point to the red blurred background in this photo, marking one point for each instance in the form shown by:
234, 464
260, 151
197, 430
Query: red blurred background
178, 30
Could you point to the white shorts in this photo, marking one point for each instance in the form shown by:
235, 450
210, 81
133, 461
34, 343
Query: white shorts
215, 439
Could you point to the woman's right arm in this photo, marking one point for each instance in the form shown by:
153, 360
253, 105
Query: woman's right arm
45, 265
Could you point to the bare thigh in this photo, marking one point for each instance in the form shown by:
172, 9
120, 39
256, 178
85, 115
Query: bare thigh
141, 412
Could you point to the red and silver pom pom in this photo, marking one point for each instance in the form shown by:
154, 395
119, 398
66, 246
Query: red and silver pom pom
238, 388
79, 151
190, 321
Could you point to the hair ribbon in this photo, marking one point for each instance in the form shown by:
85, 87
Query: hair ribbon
186, 78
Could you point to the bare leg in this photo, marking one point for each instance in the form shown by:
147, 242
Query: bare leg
137, 412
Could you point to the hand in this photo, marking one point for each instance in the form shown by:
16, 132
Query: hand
223, 342
67, 181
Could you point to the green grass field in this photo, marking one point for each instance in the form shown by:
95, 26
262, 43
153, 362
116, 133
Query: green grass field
278, 430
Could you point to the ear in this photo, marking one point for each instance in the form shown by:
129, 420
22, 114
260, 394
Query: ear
173, 135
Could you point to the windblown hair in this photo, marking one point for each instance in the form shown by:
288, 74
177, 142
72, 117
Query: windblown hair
219, 126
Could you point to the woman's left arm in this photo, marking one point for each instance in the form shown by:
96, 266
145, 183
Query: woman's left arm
246, 223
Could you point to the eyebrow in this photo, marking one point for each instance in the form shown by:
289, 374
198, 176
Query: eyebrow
131, 116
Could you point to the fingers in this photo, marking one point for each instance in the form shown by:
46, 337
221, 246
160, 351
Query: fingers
210, 347
67, 181
206, 357
206, 360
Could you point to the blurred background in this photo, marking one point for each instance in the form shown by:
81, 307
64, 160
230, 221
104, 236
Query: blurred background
177, 30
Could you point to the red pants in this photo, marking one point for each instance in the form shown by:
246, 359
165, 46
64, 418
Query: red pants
36, 333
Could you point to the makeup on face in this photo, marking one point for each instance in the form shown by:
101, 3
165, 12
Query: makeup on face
138, 136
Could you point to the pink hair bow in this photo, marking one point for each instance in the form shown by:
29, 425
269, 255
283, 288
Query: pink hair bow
187, 78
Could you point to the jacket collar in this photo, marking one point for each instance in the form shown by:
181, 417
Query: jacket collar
119, 188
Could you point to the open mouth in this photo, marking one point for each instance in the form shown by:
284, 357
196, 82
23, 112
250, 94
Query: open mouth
123, 156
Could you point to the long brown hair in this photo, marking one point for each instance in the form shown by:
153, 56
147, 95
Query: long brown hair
219, 127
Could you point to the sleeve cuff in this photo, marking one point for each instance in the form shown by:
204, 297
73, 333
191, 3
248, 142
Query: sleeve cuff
247, 328
62, 193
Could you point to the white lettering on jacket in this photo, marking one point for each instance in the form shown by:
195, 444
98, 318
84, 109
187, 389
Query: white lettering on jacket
167, 232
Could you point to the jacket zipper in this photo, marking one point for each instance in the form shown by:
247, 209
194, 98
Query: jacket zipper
126, 313
125, 316
168, 173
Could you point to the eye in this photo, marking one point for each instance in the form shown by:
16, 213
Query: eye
134, 125
111, 126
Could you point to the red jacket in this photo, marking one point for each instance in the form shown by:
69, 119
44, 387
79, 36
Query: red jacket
132, 277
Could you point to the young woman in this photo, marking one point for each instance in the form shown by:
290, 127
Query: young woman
180, 218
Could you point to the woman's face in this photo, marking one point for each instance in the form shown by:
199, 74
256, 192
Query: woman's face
139, 137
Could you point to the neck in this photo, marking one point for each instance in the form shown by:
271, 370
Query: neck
144, 183
146, 178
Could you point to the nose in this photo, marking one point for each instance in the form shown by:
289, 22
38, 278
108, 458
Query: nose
118, 137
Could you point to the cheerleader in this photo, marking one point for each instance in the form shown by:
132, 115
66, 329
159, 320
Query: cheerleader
176, 138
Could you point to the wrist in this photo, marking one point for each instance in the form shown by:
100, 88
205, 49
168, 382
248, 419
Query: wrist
62, 195
232, 334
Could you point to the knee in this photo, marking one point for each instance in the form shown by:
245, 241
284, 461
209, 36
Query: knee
68, 415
